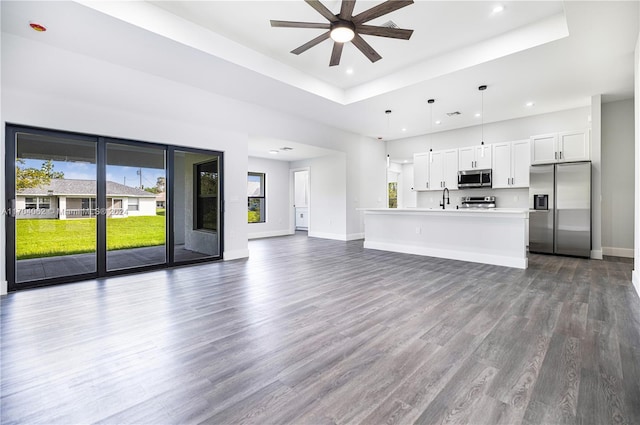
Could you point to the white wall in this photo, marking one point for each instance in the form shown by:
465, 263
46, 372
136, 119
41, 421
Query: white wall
82, 94
636, 265
409, 197
278, 220
502, 131
618, 178
328, 195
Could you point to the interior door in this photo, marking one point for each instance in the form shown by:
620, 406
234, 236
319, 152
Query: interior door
301, 199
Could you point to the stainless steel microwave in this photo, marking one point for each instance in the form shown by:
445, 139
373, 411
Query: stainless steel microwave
474, 178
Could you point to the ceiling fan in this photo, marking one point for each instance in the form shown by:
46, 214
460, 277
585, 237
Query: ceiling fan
345, 27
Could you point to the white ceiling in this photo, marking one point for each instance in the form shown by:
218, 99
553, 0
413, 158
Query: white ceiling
556, 54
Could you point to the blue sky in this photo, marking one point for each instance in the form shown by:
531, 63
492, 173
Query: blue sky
85, 171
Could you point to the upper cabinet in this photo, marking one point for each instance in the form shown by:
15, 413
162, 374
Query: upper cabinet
435, 170
511, 161
474, 157
421, 171
560, 147
443, 169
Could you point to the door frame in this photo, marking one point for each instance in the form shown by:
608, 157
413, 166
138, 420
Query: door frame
11, 131
292, 198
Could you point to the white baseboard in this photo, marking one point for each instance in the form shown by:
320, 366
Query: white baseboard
618, 252
474, 257
269, 234
4, 287
355, 236
635, 278
235, 254
596, 254
333, 236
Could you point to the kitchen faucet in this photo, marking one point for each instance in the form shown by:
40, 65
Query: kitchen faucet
445, 190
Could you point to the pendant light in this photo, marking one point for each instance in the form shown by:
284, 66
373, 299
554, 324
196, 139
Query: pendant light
388, 113
431, 102
482, 88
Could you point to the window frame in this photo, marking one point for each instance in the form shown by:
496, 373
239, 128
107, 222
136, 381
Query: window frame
262, 197
198, 220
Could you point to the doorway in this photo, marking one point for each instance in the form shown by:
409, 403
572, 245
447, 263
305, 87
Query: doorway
301, 199
83, 206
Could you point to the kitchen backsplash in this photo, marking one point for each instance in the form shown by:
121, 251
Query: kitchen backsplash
505, 198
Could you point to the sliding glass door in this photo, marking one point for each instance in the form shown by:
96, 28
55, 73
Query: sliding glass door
136, 227
196, 203
53, 214
84, 206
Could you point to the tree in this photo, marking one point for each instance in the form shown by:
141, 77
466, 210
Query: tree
33, 177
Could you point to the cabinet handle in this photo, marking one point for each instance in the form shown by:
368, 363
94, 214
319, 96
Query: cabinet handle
555, 155
560, 154
427, 185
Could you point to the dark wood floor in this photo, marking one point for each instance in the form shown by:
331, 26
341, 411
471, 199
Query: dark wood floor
311, 331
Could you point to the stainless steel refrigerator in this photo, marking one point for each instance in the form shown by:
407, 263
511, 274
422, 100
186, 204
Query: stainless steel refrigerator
560, 209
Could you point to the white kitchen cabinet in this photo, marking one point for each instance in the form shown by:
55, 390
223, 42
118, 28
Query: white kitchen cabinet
421, 171
560, 147
511, 161
573, 146
474, 157
443, 169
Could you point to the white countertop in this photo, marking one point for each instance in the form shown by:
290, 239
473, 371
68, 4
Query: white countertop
452, 211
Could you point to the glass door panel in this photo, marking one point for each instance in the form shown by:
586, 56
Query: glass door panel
196, 206
55, 192
136, 223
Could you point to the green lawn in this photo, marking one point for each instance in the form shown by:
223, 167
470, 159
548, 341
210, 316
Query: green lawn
38, 238
254, 217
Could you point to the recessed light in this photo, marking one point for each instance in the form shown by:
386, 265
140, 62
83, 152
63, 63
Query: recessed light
404, 129
478, 115
37, 27
529, 104
349, 71
438, 122
405, 161
497, 9
273, 152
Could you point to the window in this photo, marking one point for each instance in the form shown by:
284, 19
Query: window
255, 194
133, 204
206, 196
393, 194
37, 203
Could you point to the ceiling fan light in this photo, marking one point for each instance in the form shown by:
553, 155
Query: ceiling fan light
342, 31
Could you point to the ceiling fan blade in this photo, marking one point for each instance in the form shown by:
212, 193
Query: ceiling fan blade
346, 9
379, 10
336, 53
309, 44
384, 31
291, 24
321, 9
365, 48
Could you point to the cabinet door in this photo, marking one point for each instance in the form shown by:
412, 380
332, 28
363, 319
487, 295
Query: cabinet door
501, 176
520, 163
436, 171
451, 169
483, 157
421, 171
573, 146
466, 158
544, 149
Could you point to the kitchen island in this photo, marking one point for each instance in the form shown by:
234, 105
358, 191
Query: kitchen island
491, 236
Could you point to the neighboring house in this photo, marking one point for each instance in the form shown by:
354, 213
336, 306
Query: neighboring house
67, 198
161, 200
